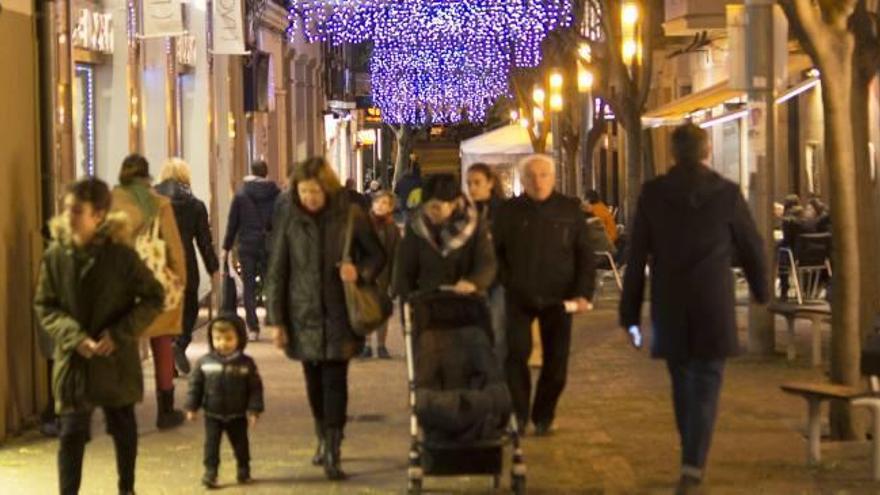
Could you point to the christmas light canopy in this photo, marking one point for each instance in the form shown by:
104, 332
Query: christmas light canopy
435, 60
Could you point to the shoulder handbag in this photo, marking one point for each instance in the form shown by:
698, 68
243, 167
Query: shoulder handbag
368, 307
229, 296
152, 249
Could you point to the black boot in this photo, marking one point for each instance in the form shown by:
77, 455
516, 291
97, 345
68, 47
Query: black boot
332, 456
318, 459
167, 417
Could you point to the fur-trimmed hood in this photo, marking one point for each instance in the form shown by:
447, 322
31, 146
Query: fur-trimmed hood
115, 228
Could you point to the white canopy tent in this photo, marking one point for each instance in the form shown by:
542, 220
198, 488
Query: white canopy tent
501, 149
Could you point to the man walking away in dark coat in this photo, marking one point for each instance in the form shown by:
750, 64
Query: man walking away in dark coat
250, 221
692, 223
546, 266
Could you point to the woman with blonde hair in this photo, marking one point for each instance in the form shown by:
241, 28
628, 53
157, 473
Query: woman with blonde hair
195, 232
145, 209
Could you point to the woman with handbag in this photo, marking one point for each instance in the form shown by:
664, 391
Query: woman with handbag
155, 237
446, 244
326, 243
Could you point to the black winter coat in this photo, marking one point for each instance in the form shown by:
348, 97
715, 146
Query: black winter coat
689, 226
461, 393
544, 255
421, 266
192, 222
305, 293
226, 386
250, 216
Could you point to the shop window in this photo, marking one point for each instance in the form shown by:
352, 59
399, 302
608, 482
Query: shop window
84, 119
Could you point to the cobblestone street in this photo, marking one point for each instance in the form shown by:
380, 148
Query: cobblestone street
615, 433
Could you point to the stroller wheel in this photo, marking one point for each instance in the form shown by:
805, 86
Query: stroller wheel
518, 485
415, 487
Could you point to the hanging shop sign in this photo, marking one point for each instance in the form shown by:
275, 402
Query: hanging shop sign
93, 31
228, 27
162, 18
186, 50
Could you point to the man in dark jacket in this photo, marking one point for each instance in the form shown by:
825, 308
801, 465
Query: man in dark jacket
195, 231
250, 222
226, 384
546, 266
691, 223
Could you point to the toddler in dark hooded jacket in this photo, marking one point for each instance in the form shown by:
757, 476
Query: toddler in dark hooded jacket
226, 384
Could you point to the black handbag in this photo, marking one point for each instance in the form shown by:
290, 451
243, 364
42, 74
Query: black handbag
229, 296
368, 307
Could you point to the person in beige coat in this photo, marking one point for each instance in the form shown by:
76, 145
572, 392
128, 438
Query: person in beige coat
141, 205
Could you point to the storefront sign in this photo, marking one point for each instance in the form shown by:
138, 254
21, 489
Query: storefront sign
162, 18
228, 28
366, 137
373, 115
93, 31
186, 50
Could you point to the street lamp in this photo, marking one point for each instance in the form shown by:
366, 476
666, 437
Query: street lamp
556, 82
556, 102
585, 80
629, 27
538, 96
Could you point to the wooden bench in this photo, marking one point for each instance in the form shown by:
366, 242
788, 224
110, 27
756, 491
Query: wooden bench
815, 394
816, 313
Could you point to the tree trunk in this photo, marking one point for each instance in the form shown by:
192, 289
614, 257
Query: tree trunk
845, 342
649, 166
403, 136
634, 170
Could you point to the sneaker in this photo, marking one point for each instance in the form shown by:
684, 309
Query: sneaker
209, 481
253, 336
181, 362
367, 352
382, 352
244, 478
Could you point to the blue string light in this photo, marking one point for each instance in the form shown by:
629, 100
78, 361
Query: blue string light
89, 130
435, 61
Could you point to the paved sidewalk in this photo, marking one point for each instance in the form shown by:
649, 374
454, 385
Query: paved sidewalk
615, 433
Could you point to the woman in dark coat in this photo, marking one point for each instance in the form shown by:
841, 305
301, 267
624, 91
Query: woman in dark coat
195, 230
382, 218
306, 301
484, 190
445, 244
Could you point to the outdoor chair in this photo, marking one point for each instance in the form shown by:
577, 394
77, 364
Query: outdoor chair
606, 268
808, 266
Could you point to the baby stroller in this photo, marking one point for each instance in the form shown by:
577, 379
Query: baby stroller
460, 407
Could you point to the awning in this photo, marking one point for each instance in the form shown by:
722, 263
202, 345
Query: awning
679, 109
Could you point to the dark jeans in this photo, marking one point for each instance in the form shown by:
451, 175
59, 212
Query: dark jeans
76, 432
237, 431
696, 386
252, 266
556, 341
327, 387
190, 316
